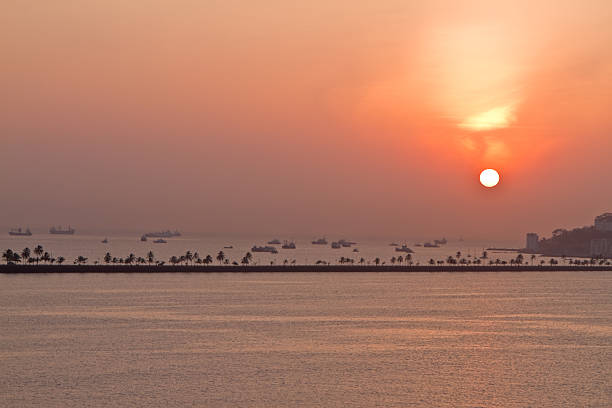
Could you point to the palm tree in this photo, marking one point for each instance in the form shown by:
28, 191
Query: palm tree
108, 258
220, 257
400, 260
208, 260
130, 259
377, 261
38, 251
8, 255
80, 260
60, 260
245, 260
150, 257
188, 257
174, 260
46, 257
393, 259
249, 256
25, 254
361, 261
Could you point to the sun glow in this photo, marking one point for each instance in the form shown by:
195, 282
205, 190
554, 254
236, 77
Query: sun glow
489, 178
495, 118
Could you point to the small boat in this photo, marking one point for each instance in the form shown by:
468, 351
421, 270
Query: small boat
269, 249
418, 244
228, 247
274, 242
19, 232
430, 245
105, 241
393, 244
160, 241
336, 245
355, 250
442, 241
404, 248
143, 238
288, 245
320, 241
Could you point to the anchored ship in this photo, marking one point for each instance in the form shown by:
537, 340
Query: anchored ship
288, 245
270, 249
19, 232
320, 241
162, 234
60, 231
404, 248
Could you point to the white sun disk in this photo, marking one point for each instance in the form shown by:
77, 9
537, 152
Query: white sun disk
489, 178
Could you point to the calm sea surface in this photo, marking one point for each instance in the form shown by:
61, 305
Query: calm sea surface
307, 340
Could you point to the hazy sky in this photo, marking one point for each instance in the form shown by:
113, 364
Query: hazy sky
369, 118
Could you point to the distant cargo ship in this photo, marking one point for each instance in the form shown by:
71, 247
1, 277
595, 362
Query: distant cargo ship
162, 234
269, 249
404, 248
274, 242
61, 231
19, 232
288, 245
160, 241
320, 241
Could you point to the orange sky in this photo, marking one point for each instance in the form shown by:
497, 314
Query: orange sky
364, 118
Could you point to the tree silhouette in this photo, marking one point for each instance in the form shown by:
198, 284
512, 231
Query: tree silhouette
8, 255
107, 258
38, 251
220, 257
25, 254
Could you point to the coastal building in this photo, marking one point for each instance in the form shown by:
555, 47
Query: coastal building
532, 244
601, 248
603, 222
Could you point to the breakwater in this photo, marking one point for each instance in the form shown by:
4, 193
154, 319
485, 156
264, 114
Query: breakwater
32, 269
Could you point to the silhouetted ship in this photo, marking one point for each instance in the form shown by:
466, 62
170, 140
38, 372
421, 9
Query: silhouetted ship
105, 241
274, 242
288, 245
143, 238
320, 241
269, 249
61, 231
228, 247
346, 243
160, 241
19, 232
404, 248
163, 234
336, 245
430, 245
440, 241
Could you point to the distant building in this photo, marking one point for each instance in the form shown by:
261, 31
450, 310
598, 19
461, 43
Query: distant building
601, 247
603, 222
532, 244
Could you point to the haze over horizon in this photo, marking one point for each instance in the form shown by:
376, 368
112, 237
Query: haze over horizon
328, 117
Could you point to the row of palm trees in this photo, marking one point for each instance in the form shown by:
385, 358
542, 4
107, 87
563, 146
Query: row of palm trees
39, 255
